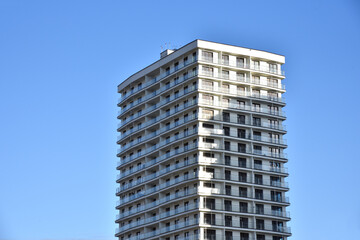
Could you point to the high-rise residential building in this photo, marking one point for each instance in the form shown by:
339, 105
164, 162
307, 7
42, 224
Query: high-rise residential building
202, 148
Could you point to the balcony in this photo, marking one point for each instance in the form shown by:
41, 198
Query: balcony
153, 107
253, 67
157, 79
260, 110
161, 130
157, 93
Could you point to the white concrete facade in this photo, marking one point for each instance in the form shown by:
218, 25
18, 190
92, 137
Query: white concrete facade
202, 147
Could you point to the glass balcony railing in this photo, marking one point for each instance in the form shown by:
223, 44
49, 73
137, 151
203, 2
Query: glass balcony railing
157, 79
249, 137
263, 124
162, 200
160, 144
250, 210
160, 91
157, 218
137, 128
242, 93
236, 64
160, 158
260, 110
153, 107
248, 179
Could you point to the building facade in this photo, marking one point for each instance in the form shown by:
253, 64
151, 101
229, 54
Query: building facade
202, 148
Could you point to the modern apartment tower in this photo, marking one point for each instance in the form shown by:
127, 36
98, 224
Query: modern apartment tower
202, 148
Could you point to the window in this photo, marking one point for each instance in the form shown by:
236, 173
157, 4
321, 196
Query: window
258, 179
256, 65
257, 121
206, 125
228, 190
228, 235
259, 209
241, 119
240, 62
225, 102
207, 56
275, 181
256, 93
208, 140
209, 203
257, 136
185, 60
244, 236
272, 68
242, 192
207, 85
227, 204
228, 221
176, 66
241, 133
194, 56
227, 160
274, 123
208, 114
207, 99
276, 196
244, 222
225, 74
240, 77
227, 175
260, 224
225, 88
227, 146
208, 154
209, 219
241, 147
258, 164
257, 149
226, 131
210, 234
277, 226
243, 207
225, 59
226, 116
275, 166
241, 104
260, 237
208, 71
242, 162
256, 107
209, 185
242, 177
241, 91
167, 70
277, 211
258, 193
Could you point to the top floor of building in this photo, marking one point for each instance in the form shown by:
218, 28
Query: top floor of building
205, 52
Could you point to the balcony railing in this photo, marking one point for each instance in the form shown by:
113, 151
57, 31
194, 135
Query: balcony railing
148, 123
158, 78
249, 210
249, 180
254, 67
155, 106
162, 143
261, 110
160, 91
245, 94
263, 124
234, 148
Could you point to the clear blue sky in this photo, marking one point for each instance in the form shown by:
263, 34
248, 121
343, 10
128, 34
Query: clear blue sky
60, 63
